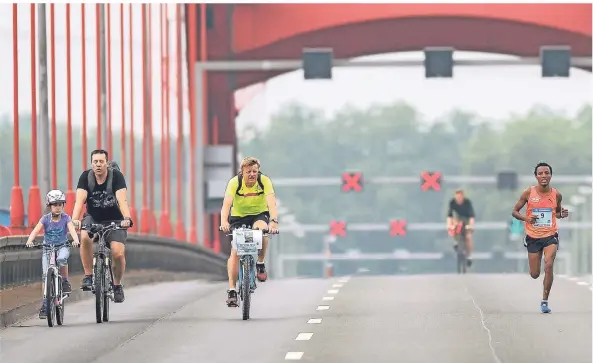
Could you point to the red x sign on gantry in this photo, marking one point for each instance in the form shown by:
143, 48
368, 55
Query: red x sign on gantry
351, 181
431, 180
337, 228
398, 228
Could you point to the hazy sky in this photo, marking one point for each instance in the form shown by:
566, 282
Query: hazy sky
493, 92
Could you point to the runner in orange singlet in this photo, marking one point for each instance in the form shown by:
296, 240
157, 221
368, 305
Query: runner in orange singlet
541, 230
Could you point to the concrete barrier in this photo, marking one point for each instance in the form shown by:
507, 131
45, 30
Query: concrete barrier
166, 260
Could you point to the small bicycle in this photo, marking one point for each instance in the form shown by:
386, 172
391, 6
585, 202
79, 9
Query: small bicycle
102, 272
247, 242
53, 294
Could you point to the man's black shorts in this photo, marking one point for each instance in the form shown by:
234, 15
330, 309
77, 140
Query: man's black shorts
535, 245
249, 221
119, 235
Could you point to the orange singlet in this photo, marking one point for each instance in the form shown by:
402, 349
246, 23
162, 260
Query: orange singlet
544, 206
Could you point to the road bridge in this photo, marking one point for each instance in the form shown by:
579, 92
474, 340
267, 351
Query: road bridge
424, 319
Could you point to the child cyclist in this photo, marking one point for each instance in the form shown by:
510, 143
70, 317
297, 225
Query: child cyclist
56, 225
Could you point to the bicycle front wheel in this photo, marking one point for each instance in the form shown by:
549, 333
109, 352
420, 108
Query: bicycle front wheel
50, 297
247, 266
99, 279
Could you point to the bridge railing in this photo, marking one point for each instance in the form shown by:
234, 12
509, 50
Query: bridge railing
21, 266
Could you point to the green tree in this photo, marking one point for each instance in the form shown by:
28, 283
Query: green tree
394, 140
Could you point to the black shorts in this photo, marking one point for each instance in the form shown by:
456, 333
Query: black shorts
534, 245
249, 221
119, 235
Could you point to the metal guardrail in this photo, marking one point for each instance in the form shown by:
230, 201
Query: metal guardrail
21, 266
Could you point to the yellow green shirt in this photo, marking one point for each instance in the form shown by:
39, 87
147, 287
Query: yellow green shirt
251, 202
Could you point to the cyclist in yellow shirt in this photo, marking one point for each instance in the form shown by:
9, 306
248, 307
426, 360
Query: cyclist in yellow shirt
251, 195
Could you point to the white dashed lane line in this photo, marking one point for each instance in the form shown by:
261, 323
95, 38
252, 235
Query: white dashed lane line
582, 281
304, 336
293, 355
308, 336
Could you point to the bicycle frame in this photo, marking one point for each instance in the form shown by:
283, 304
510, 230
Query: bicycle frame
247, 242
247, 251
52, 266
102, 285
55, 308
461, 239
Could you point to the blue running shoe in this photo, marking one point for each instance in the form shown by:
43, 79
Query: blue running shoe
544, 307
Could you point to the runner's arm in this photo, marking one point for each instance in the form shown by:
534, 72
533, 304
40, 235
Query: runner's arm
520, 203
558, 205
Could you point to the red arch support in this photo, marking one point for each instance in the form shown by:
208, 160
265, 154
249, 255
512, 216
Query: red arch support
261, 25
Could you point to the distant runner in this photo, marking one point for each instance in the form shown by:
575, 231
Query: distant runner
541, 230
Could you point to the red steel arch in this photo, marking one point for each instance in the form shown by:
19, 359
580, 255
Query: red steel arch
280, 31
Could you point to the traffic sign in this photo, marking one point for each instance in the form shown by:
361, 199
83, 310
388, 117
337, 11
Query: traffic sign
337, 228
431, 180
397, 227
352, 181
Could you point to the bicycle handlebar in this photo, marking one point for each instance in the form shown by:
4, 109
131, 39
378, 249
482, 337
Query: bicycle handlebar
264, 231
42, 245
101, 228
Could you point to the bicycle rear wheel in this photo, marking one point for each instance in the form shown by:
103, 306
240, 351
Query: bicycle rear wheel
99, 280
461, 260
245, 288
60, 307
108, 287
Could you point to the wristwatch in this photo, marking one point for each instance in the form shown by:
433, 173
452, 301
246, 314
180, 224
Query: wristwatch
274, 220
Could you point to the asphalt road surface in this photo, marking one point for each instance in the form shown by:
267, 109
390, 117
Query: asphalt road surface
374, 319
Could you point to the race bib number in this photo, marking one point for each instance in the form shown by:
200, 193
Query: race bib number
544, 217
